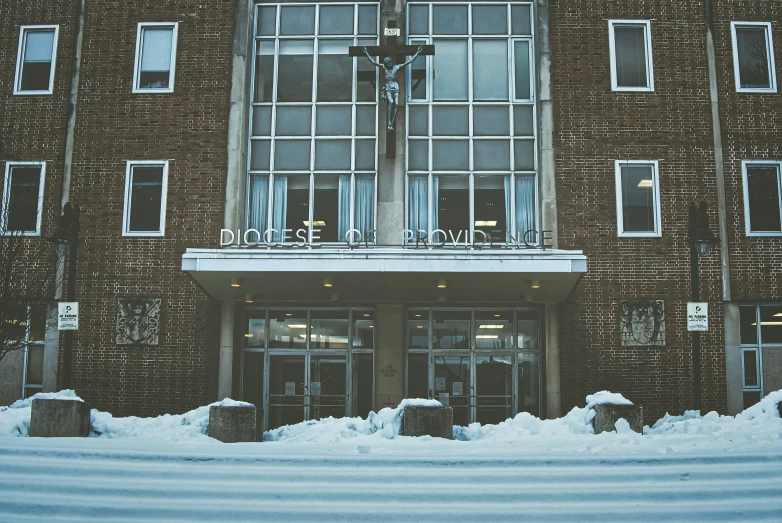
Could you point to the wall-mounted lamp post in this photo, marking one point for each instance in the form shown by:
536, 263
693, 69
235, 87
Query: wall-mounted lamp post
701, 241
66, 241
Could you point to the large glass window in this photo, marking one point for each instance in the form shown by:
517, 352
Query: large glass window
761, 350
485, 363
763, 198
631, 55
313, 144
753, 57
145, 198
471, 149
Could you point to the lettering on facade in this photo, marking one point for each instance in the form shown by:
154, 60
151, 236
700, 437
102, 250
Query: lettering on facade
438, 238
388, 371
642, 323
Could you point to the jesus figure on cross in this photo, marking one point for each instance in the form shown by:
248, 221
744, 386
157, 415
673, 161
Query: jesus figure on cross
390, 93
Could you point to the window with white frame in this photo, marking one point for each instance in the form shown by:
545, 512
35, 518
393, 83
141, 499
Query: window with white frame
638, 198
753, 57
761, 336
22, 198
471, 148
762, 198
155, 57
35, 59
313, 136
630, 43
145, 198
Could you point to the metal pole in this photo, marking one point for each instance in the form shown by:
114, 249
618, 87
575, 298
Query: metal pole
696, 336
73, 256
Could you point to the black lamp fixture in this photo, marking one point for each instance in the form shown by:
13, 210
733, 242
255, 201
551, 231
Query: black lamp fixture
700, 235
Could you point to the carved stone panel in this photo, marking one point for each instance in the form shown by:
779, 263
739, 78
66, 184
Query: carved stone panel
643, 323
138, 321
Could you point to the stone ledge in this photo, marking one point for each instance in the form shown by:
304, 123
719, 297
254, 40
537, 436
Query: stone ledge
606, 417
59, 418
436, 422
232, 424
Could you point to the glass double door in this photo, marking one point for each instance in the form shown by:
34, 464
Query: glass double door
478, 387
304, 386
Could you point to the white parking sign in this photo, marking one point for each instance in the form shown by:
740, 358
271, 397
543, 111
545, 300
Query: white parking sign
697, 316
68, 316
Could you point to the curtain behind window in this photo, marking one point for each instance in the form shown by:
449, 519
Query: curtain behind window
280, 204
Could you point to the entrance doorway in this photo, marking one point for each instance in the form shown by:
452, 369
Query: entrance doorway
484, 363
300, 364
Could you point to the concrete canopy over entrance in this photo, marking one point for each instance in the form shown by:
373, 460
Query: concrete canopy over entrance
386, 274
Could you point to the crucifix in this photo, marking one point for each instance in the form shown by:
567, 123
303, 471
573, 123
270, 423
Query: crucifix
394, 58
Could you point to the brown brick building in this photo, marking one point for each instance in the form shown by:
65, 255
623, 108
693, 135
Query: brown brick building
251, 228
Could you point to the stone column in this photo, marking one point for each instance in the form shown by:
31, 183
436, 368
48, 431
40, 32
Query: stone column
391, 171
389, 355
547, 158
553, 381
226, 361
51, 348
734, 381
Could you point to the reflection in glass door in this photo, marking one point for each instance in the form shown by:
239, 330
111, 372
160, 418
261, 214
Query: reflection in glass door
328, 386
494, 388
452, 385
287, 389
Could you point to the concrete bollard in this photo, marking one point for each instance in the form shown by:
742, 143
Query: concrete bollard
606, 417
428, 421
233, 424
59, 418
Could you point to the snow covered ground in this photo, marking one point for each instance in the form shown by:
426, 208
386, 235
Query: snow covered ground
710, 468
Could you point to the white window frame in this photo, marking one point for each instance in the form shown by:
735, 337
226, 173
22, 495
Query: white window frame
23, 30
771, 64
745, 165
657, 233
647, 25
7, 197
137, 62
129, 195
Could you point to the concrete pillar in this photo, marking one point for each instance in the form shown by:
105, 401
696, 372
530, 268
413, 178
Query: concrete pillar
391, 171
236, 175
389, 355
734, 381
547, 158
226, 361
51, 349
553, 381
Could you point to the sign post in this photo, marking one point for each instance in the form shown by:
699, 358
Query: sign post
68, 316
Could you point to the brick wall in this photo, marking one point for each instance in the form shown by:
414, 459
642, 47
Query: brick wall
594, 127
188, 128
750, 131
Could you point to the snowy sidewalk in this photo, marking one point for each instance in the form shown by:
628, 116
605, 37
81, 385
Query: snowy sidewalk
123, 480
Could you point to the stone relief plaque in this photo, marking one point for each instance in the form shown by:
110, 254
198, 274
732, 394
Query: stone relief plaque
138, 321
642, 323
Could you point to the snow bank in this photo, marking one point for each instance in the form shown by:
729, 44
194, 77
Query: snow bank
15, 419
386, 424
758, 421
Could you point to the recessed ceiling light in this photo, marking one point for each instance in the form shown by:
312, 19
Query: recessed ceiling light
327, 281
645, 184
535, 284
235, 282
297, 326
419, 326
485, 223
496, 315
315, 223
248, 298
248, 335
417, 315
491, 326
441, 283
366, 315
487, 336
289, 314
